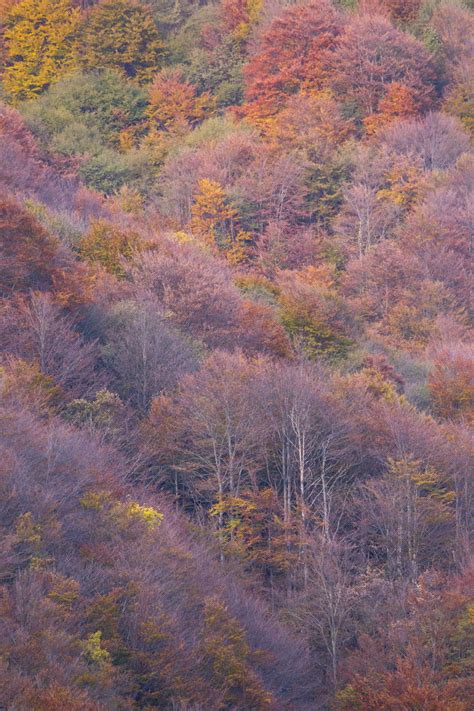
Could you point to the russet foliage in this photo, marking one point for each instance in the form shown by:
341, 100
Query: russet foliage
294, 56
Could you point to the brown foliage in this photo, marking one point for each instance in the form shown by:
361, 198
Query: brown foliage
27, 252
194, 288
403, 10
451, 382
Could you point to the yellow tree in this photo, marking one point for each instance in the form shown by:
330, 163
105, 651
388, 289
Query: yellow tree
212, 216
460, 100
40, 37
110, 246
255, 532
228, 661
121, 35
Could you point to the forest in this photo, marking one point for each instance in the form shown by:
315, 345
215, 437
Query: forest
236, 355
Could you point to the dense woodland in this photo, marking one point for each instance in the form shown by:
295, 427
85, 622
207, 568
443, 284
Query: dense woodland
236, 370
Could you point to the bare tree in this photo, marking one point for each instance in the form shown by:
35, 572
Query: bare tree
145, 351
46, 334
325, 608
409, 518
215, 432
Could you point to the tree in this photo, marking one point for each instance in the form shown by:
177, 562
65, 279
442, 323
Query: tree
240, 16
451, 382
169, 16
108, 170
271, 189
418, 657
47, 336
261, 331
408, 517
397, 103
210, 434
223, 159
370, 55
254, 531
227, 660
24, 385
212, 216
220, 72
436, 140
453, 24
110, 246
173, 103
221, 436
6, 6
195, 290
40, 37
313, 122
24, 171
293, 55
58, 698
313, 313
145, 353
27, 252
407, 687
442, 218
326, 607
295, 413
403, 10
121, 35
100, 103
165, 625
282, 246
313, 126
306, 452
368, 215
459, 101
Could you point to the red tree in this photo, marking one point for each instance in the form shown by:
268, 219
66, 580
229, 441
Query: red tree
397, 103
293, 55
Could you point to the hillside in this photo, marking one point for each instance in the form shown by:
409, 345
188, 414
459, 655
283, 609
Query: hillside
236, 355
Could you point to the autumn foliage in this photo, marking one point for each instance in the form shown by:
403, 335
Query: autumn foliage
236, 373
27, 250
294, 56
40, 39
